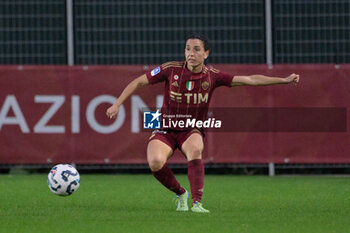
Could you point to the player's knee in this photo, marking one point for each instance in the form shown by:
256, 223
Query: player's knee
156, 162
194, 153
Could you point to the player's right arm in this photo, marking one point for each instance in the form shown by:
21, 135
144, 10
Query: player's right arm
127, 92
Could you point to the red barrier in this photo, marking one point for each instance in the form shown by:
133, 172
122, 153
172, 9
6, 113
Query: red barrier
53, 114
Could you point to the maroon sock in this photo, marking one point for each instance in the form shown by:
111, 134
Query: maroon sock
196, 178
167, 178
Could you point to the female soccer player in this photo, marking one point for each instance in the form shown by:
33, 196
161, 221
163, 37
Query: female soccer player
188, 85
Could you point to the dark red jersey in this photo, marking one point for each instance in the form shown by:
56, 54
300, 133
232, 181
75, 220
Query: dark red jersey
187, 93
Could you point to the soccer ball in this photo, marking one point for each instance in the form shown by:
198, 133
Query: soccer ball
63, 179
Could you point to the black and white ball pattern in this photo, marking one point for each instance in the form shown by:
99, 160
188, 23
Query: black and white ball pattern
63, 179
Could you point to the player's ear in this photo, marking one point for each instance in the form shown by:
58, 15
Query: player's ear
206, 54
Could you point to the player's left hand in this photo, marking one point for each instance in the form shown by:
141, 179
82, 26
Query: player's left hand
293, 78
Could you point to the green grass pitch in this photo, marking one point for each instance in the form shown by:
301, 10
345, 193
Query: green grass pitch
138, 203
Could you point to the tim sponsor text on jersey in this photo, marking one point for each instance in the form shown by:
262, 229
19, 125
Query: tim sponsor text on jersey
190, 98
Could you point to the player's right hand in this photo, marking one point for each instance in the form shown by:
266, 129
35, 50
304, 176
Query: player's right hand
112, 111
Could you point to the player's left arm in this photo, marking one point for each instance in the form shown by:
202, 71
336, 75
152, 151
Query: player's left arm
262, 80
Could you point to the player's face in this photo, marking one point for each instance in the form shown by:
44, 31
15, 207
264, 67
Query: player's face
195, 53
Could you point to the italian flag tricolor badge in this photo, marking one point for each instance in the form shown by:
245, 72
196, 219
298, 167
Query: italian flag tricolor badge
190, 85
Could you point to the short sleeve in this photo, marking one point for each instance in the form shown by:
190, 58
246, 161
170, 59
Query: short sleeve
222, 78
157, 75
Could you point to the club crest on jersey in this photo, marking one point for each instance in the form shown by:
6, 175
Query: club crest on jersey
176, 77
175, 84
205, 85
155, 71
190, 85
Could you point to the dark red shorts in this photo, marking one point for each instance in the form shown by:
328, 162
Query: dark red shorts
173, 138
